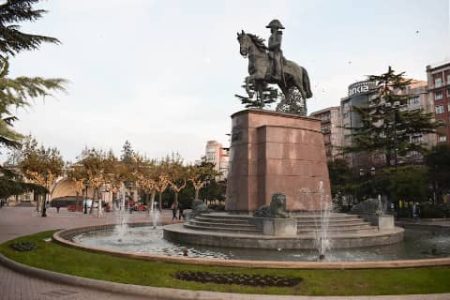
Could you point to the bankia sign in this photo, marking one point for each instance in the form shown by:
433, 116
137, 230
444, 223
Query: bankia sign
360, 87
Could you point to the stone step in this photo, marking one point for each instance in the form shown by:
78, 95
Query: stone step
226, 229
354, 217
341, 230
330, 227
220, 224
333, 224
222, 220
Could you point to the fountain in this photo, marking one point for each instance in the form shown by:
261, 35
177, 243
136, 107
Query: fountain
276, 153
122, 221
278, 204
322, 240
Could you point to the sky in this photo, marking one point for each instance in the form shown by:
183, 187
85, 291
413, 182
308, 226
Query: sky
163, 74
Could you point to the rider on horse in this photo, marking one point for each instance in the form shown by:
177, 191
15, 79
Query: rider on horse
274, 46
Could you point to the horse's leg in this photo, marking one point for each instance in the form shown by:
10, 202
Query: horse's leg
305, 83
298, 82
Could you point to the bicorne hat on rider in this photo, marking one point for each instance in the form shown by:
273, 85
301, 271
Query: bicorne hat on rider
275, 24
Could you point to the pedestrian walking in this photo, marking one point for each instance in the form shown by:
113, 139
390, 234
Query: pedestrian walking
180, 212
174, 208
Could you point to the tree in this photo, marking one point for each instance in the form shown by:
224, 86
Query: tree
199, 175
177, 175
341, 177
259, 97
147, 182
17, 92
161, 178
41, 166
93, 172
438, 163
13, 41
127, 153
76, 175
408, 183
387, 127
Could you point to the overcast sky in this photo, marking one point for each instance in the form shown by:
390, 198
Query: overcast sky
163, 74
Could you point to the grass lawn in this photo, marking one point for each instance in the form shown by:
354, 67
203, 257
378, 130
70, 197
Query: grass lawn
58, 258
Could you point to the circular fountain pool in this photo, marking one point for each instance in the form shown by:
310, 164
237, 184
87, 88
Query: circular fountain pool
148, 240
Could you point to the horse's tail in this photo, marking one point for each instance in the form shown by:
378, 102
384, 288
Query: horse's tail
306, 83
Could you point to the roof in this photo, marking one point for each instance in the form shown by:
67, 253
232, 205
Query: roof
324, 110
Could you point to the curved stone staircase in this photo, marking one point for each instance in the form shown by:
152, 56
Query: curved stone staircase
245, 231
307, 224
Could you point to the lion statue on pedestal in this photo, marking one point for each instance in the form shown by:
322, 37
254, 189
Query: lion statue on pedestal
276, 209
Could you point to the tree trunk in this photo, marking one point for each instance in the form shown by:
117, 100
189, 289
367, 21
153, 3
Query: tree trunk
44, 206
92, 202
160, 201
37, 198
77, 200
197, 192
100, 200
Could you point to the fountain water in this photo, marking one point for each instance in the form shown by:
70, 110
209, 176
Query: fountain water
122, 222
322, 240
154, 217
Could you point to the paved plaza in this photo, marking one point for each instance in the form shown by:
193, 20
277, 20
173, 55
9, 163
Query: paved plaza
18, 221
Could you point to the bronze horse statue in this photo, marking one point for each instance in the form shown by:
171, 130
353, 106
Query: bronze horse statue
259, 68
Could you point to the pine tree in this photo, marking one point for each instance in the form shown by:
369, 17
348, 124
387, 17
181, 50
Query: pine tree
387, 126
17, 92
127, 153
259, 97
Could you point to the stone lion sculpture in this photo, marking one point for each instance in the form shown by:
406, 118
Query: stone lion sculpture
276, 209
198, 207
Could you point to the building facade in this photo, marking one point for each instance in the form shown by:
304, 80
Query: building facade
359, 94
419, 100
218, 155
438, 77
331, 125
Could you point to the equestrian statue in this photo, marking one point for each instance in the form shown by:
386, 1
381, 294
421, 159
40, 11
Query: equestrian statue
267, 65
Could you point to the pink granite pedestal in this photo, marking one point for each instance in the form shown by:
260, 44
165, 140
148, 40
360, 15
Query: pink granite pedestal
274, 152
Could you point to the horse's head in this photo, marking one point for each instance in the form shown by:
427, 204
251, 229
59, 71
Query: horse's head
245, 43
251, 43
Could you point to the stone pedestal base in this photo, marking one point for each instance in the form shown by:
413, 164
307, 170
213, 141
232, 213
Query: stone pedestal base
274, 152
386, 222
280, 227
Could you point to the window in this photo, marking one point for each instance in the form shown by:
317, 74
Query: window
438, 95
437, 82
439, 109
448, 78
417, 139
414, 101
448, 92
442, 138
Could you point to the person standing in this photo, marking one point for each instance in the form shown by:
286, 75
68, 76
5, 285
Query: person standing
180, 212
174, 208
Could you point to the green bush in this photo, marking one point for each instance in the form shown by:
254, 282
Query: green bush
429, 210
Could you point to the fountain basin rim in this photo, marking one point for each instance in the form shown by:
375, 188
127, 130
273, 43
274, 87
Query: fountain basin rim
65, 236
